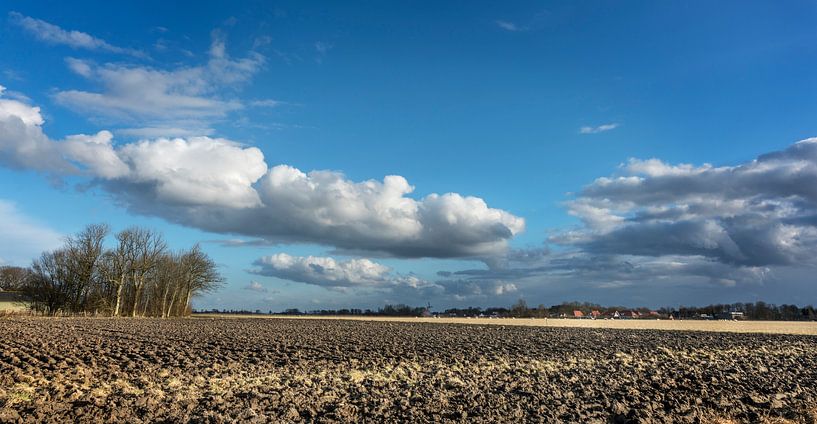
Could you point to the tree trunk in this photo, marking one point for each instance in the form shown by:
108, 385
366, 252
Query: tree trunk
137, 294
187, 303
118, 297
170, 306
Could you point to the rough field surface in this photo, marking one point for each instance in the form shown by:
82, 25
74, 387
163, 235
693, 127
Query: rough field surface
224, 370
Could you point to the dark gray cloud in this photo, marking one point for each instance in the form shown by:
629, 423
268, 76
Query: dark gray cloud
661, 225
759, 213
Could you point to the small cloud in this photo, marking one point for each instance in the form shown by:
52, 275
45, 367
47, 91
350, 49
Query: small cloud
10, 74
242, 243
266, 103
510, 26
256, 287
726, 282
160, 45
261, 41
598, 129
79, 67
322, 48
504, 288
158, 132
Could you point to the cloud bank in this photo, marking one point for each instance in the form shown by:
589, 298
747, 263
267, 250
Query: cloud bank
662, 225
759, 213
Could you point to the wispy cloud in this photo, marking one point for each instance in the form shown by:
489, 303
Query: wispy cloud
598, 129
184, 100
156, 132
529, 23
23, 238
322, 48
261, 41
510, 26
75, 39
256, 287
266, 103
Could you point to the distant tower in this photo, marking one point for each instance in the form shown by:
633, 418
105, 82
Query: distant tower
427, 311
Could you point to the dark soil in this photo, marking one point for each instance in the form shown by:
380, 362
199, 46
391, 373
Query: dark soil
279, 370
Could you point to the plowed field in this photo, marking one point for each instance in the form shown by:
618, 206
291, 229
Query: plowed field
224, 370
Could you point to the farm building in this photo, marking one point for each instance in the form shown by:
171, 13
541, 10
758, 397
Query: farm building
731, 315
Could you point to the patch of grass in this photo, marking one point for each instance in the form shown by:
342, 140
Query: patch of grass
19, 393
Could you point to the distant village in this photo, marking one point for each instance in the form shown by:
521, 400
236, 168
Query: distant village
571, 310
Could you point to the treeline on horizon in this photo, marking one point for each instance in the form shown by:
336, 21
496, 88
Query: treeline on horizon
138, 276
760, 311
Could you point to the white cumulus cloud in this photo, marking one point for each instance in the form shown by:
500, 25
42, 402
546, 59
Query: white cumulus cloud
221, 186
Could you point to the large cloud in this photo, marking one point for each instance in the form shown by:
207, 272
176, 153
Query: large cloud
756, 214
221, 186
662, 225
194, 172
22, 142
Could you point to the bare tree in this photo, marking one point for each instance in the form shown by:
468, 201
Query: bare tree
13, 278
168, 278
83, 252
149, 246
49, 286
118, 266
200, 275
135, 277
520, 308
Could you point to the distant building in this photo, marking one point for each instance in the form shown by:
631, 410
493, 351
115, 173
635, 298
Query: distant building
578, 314
595, 314
736, 315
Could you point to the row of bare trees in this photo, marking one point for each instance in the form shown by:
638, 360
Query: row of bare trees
137, 276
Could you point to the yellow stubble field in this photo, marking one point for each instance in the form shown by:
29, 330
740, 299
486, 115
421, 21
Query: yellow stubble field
769, 327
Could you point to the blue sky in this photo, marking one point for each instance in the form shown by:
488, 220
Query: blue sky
517, 109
